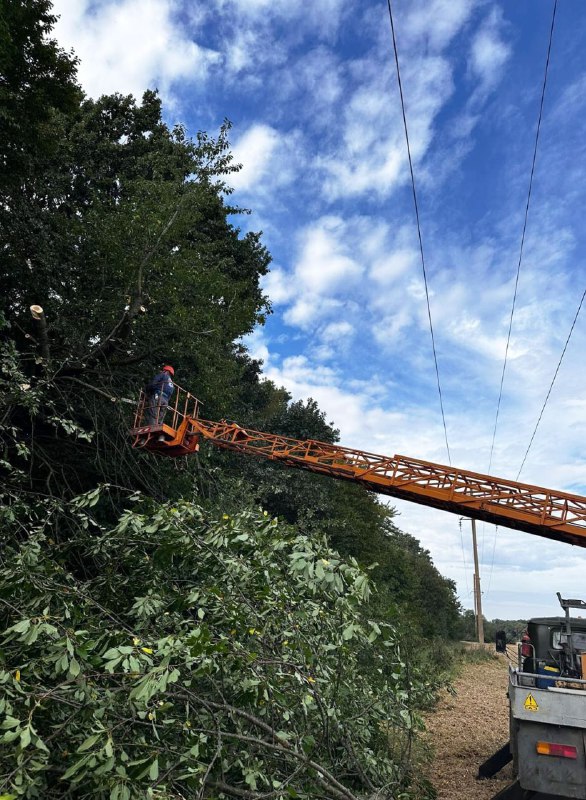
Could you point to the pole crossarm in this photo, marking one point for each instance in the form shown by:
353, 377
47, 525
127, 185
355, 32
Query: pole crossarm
560, 516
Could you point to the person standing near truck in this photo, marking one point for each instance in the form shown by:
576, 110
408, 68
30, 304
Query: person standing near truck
158, 393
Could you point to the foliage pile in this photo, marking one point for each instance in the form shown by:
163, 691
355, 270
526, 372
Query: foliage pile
266, 676
177, 653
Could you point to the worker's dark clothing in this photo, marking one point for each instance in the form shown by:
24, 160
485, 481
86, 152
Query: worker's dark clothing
158, 393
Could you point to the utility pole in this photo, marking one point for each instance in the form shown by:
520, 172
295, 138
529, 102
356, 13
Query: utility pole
477, 596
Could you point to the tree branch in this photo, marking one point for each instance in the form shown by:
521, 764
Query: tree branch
135, 307
41, 325
98, 391
278, 744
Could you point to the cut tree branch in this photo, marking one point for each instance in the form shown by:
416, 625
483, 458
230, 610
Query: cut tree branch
41, 326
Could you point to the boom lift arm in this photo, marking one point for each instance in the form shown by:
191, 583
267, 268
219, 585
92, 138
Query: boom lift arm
554, 515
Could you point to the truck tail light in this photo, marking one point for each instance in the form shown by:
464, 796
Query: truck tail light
526, 647
561, 750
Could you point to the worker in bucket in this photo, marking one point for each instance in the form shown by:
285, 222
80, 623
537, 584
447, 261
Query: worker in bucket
158, 393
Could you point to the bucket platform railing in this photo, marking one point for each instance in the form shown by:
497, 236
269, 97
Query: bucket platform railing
165, 427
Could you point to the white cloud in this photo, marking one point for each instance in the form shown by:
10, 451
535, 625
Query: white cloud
272, 162
489, 52
318, 75
130, 45
323, 353
370, 157
387, 268
240, 50
331, 259
258, 346
387, 329
321, 16
309, 308
258, 34
337, 332
278, 286
324, 263
371, 281
254, 150
434, 23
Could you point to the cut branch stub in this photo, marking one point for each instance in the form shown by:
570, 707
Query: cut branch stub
41, 324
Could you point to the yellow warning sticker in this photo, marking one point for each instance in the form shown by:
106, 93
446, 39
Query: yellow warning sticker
530, 703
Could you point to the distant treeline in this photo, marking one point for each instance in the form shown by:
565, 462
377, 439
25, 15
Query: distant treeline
513, 628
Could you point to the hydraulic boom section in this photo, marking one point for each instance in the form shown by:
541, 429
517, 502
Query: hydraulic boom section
555, 515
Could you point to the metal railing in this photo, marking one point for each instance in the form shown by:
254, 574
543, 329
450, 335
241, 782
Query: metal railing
153, 413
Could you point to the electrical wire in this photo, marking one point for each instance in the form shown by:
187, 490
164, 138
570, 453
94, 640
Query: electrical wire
546, 70
418, 227
524, 231
557, 369
553, 380
537, 132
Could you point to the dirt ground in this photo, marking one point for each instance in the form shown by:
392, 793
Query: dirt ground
468, 727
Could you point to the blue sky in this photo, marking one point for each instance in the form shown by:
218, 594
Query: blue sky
311, 90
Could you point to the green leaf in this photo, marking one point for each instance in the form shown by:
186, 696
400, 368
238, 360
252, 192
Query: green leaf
74, 668
40, 744
154, 770
89, 742
107, 766
76, 767
25, 737
111, 665
20, 627
348, 632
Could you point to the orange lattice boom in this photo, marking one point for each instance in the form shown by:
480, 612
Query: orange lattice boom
555, 515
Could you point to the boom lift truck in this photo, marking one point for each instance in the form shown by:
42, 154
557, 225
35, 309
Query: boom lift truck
547, 688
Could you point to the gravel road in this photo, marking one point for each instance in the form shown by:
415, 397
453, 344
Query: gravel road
467, 728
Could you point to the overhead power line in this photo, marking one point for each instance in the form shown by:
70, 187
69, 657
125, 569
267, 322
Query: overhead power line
439, 388
557, 369
545, 73
524, 231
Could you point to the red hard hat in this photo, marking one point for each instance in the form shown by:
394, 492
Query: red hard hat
167, 368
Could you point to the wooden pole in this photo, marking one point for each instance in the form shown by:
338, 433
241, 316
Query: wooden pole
477, 595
